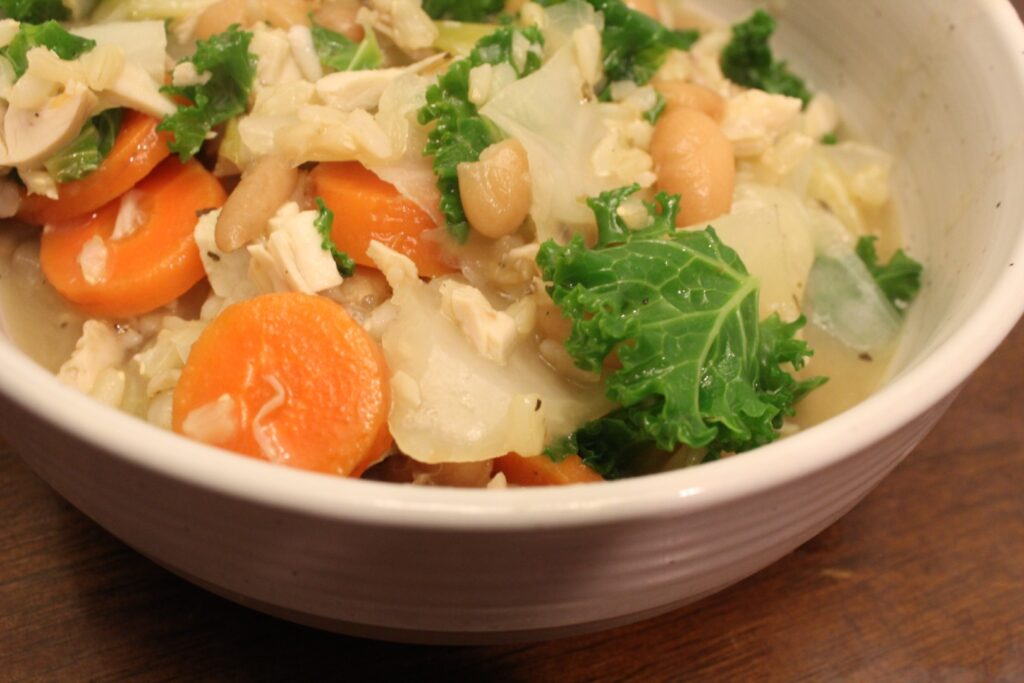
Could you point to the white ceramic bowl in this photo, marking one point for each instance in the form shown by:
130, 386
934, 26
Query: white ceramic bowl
939, 82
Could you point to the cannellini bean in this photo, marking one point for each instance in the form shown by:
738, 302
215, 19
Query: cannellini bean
286, 13
496, 189
263, 189
219, 16
361, 292
463, 474
679, 94
692, 158
340, 16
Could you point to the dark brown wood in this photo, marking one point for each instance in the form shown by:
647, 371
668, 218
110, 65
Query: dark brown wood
924, 581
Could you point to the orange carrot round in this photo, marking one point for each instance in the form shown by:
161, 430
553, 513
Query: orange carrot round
119, 276
137, 149
308, 386
543, 471
367, 208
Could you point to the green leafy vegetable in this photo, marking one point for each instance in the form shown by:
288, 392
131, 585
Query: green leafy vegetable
337, 52
634, 44
829, 139
748, 60
50, 35
323, 222
231, 67
900, 279
85, 153
462, 10
34, 11
461, 133
680, 312
654, 113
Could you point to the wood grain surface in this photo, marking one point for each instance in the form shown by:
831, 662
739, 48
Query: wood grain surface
924, 581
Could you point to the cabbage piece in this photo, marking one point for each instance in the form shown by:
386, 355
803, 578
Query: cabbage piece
842, 297
844, 301
449, 403
850, 178
865, 169
560, 21
407, 169
144, 43
770, 229
560, 131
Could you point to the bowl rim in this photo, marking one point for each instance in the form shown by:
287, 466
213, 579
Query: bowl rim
671, 493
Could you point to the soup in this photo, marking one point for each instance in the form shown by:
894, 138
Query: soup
569, 246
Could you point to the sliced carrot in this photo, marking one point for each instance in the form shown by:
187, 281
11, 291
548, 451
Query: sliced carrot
309, 387
543, 471
367, 208
137, 149
141, 271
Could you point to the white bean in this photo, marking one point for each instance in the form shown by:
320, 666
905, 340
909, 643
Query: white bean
495, 190
694, 159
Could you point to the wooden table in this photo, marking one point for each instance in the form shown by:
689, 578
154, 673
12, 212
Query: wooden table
924, 581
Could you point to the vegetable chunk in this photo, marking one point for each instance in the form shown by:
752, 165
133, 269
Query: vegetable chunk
137, 253
137, 150
365, 208
900, 278
225, 94
748, 60
460, 133
634, 45
305, 385
679, 312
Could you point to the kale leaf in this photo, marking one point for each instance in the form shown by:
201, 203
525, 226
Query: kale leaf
323, 223
634, 45
679, 311
337, 52
654, 113
231, 67
748, 60
899, 280
461, 133
48, 34
34, 11
86, 152
462, 10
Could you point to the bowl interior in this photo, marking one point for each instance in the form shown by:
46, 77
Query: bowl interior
940, 84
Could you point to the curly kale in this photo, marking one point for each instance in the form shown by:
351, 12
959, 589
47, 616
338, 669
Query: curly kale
460, 133
748, 60
679, 312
